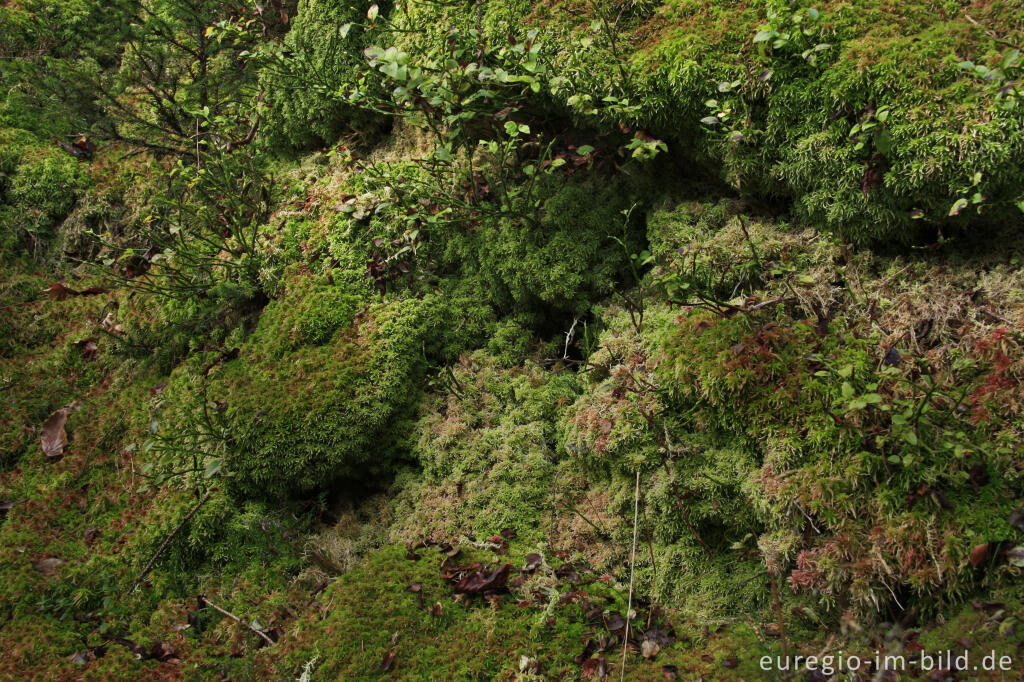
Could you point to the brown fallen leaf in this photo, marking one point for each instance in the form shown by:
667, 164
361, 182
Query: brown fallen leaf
162, 651
53, 438
980, 554
533, 562
389, 660
48, 566
87, 347
484, 581
568, 573
615, 622
670, 672
596, 667
649, 649
58, 291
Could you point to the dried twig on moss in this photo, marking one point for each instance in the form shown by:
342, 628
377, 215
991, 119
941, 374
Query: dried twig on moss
235, 618
167, 540
632, 565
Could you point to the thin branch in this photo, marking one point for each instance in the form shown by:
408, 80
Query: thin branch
167, 540
237, 619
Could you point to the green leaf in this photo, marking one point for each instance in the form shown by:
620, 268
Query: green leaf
443, 153
957, 207
212, 468
762, 36
372, 13
587, 150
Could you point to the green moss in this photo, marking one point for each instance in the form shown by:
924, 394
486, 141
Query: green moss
38, 187
303, 110
303, 417
490, 437
565, 259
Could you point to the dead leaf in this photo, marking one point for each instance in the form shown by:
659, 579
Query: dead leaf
567, 572
484, 581
389, 660
649, 649
730, 662
162, 651
87, 347
91, 534
615, 622
980, 554
533, 562
595, 667
1015, 556
53, 438
48, 566
670, 672
1017, 519
58, 291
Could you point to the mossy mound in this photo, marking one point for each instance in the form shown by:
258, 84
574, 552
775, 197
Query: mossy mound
863, 118
855, 440
39, 185
486, 448
305, 416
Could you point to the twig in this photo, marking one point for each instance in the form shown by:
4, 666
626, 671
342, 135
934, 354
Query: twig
632, 564
167, 540
654, 567
777, 605
750, 242
568, 338
237, 619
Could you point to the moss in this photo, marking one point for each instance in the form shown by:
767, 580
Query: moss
38, 187
303, 110
790, 134
470, 640
485, 448
510, 343
301, 420
562, 261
